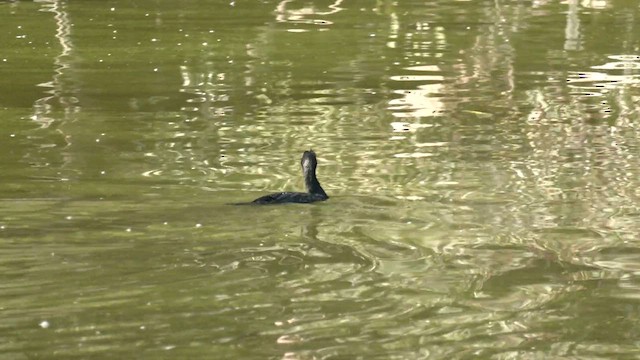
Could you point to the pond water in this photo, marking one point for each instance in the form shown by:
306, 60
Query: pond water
482, 159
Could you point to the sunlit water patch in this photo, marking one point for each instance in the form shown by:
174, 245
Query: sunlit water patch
422, 100
620, 75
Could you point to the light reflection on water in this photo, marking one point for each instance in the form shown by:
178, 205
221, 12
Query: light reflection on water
480, 204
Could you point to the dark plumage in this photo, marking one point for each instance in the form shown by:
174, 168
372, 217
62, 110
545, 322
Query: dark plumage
314, 190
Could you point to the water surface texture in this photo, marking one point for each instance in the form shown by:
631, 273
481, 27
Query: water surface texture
482, 159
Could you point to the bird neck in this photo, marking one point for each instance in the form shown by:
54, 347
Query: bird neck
312, 183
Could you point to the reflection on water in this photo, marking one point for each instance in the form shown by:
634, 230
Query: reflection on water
288, 12
481, 160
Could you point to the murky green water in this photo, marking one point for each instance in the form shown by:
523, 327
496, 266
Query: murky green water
482, 159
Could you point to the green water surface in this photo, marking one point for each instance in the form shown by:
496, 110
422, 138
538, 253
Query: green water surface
482, 159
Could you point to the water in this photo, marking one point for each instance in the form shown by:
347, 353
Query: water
481, 158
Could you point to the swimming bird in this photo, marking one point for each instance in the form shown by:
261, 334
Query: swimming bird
314, 190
